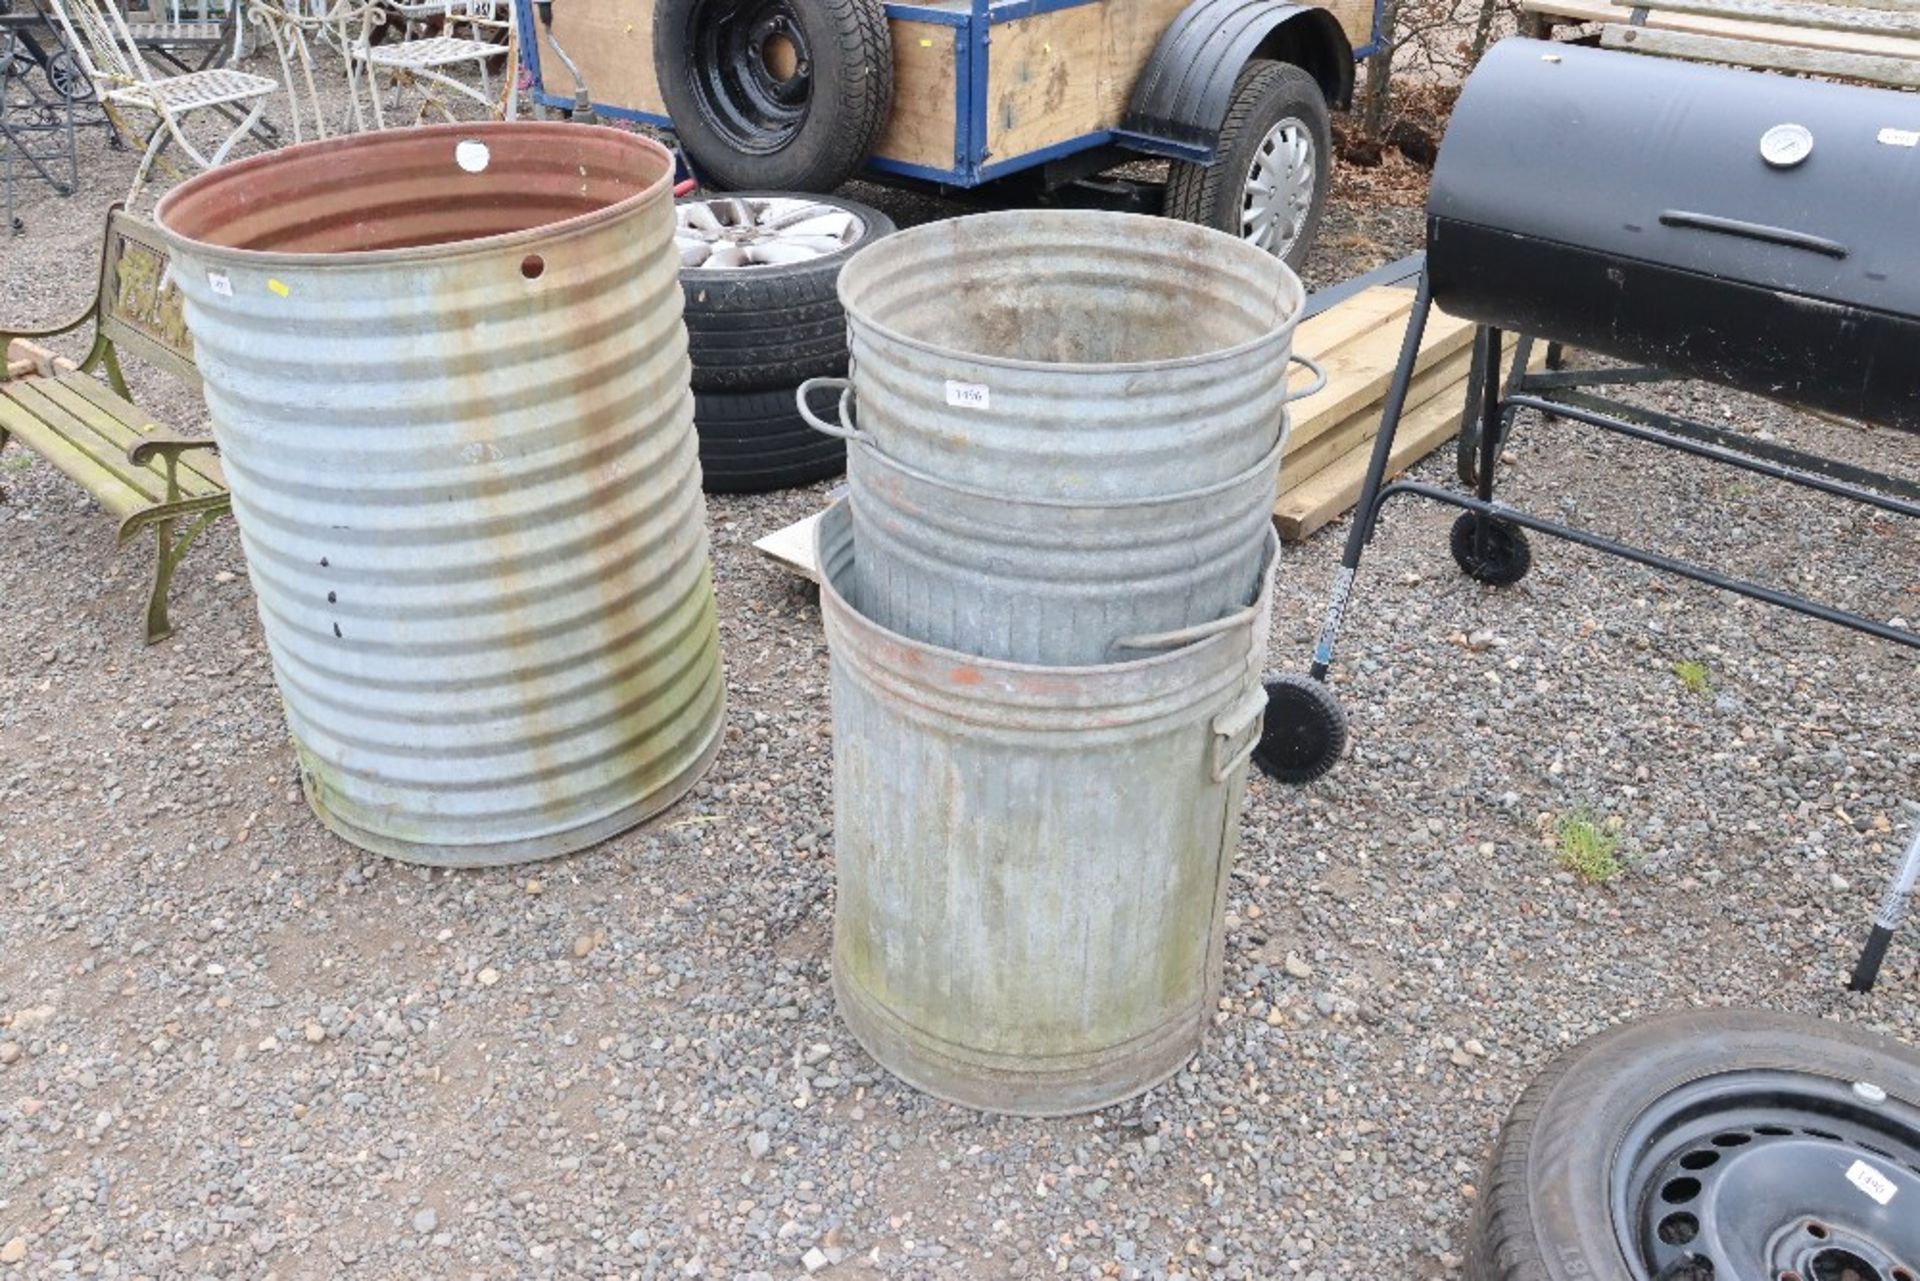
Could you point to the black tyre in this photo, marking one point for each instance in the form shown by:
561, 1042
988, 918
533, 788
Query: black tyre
1731, 1145
1268, 180
1304, 732
774, 94
756, 442
758, 325
1502, 560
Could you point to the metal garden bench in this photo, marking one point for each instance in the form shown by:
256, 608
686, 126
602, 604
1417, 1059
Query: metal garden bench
143, 473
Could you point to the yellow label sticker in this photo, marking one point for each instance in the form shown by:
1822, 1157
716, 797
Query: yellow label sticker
926, 44
1046, 47
278, 288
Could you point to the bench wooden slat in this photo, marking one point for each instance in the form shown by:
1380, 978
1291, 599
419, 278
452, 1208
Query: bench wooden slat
1902, 73
1821, 17
42, 398
200, 471
22, 421
118, 425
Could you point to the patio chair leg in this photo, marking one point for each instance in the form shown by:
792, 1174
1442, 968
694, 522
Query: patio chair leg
245, 129
155, 141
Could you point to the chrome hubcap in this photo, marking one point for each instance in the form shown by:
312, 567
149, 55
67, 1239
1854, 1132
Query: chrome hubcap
1279, 189
738, 231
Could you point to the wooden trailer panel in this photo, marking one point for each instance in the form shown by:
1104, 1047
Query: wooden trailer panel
924, 123
612, 42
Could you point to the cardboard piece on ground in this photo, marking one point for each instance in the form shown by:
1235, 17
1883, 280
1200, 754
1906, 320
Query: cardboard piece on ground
792, 547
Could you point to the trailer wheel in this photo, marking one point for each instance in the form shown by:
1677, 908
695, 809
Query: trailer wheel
774, 94
1268, 180
1723, 1144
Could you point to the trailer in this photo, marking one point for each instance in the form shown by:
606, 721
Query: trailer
958, 95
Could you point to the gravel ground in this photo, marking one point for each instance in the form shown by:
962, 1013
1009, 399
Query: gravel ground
231, 1045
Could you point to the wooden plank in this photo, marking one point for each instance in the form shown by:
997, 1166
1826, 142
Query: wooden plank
1603, 11
1305, 459
25, 358
1900, 73
612, 43
1359, 315
89, 431
792, 547
1358, 372
921, 125
1043, 80
24, 423
1823, 17
199, 472
1337, 487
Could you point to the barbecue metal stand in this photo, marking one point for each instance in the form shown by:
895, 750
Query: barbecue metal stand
1305, 731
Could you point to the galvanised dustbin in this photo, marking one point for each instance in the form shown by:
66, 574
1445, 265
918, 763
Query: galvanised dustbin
449, 380
1032, 861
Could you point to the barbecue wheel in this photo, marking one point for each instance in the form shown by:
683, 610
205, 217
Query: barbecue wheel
1304, 732
1507, 556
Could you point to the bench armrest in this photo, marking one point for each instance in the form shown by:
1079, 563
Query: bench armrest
8, 335
166, 444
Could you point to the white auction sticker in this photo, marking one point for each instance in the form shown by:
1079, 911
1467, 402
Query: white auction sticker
1900, 137
218, 282
967, 395
1872, 1182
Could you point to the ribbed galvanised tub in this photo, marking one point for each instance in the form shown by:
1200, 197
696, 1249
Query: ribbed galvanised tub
1032, 861
449, 380
1068, 354
1056, 582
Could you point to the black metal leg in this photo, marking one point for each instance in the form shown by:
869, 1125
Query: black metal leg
1866, 970
1490, 402
1368, 507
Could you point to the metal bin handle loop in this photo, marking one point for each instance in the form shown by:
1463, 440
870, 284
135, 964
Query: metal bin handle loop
1319, 372
845, 429
1237, 732
1187, 635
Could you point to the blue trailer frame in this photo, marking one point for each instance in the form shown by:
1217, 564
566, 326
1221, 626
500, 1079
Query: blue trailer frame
974, 35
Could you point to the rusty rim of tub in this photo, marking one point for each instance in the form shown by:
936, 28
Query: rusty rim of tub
434, 192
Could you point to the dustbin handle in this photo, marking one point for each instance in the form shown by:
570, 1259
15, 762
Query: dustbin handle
1319, 383
845, 429
1187, 635
1237, 732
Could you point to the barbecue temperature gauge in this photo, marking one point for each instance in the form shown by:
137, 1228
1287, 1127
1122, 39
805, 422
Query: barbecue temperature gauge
1785, 146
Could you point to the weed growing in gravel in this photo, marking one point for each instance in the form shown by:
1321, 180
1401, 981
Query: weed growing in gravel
17, 461
1694, 676
1589, 849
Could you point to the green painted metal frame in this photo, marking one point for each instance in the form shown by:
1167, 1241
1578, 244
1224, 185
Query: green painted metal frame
164, 517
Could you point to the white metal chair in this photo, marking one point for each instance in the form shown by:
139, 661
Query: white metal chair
108, 53
290, 28
429, 60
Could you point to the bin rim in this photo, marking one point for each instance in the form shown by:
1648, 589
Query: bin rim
543, 233
1292, 293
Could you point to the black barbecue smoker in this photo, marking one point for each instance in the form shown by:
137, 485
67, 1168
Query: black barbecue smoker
1752, 230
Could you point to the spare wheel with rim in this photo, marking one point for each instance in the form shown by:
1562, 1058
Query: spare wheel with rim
1710, 1145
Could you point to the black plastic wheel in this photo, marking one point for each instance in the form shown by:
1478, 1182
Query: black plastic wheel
1304, 732
774, 94
1501, 561
67, 79
1269, 177
1709, 1145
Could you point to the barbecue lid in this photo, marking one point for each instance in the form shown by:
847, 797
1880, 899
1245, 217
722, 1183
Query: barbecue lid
1801, 186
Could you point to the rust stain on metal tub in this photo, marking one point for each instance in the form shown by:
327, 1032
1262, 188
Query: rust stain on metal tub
464, 470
